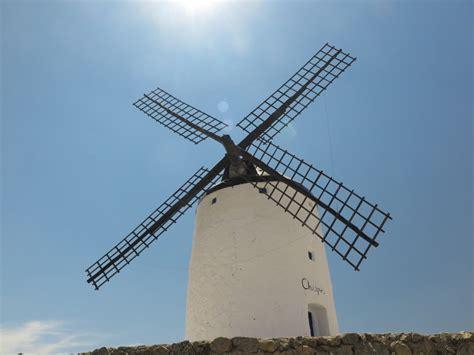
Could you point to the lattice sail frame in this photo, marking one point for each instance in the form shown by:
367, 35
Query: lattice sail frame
156, 105
141, 237
365, 216
338, 63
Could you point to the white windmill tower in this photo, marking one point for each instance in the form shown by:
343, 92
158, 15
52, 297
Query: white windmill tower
258, 267
254, 270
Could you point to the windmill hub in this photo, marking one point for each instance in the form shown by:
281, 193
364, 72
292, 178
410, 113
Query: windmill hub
259, 230
237, 169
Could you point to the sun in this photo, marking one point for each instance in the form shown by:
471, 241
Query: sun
194, 7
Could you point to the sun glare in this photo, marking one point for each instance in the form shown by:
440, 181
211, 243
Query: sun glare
194, 7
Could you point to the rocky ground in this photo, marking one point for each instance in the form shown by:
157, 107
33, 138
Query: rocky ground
345, 344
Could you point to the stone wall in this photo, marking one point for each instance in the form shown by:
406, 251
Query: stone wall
345, 344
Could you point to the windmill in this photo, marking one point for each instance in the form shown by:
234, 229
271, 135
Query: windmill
256, 268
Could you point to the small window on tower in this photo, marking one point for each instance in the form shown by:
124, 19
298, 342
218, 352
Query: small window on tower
262, 190
214, 200
310, 255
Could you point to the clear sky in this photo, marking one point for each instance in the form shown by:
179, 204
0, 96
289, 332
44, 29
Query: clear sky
81, 166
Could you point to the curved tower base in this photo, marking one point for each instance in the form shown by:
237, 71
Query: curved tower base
255, 271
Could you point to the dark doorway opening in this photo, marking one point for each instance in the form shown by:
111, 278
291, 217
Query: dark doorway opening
311, 324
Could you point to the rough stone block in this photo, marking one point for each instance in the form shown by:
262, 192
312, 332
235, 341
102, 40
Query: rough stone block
249, 345
284, 345
306, 350
328, 340
350, 338
101, 351
268, 345
221, 345
343, 350
400, 348
310, 341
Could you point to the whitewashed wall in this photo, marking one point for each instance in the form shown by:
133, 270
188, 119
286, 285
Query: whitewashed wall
250, 274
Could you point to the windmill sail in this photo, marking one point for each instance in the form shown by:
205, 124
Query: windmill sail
152, 227
169, 111
300, 90
349, 223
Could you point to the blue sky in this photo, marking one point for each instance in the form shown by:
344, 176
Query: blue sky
81, 166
